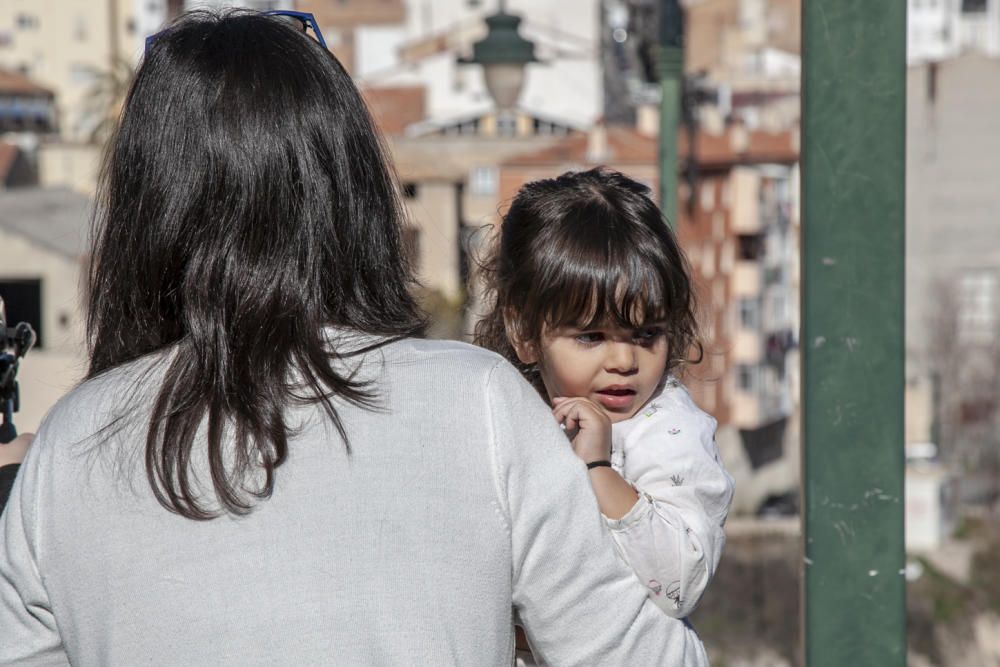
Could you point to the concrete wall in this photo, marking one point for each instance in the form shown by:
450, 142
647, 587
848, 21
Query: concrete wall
71, 165
953, 172
434, 212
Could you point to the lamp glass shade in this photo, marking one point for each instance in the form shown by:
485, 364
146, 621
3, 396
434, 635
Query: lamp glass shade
504, 81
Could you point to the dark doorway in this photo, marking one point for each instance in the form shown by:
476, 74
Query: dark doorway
23, 300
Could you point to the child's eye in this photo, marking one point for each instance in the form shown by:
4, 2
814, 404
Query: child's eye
589, 337
647, 335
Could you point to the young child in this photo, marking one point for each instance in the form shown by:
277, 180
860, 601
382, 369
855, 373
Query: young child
592, 301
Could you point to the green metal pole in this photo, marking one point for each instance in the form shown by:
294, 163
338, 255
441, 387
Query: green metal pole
671, 71
854, 128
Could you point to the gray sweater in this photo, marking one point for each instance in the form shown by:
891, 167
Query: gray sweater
459, 505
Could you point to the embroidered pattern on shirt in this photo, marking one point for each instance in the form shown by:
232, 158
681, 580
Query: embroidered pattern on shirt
674, 594
674, 431
677, 480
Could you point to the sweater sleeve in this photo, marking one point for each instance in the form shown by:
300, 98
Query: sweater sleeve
577, 600
673, 537
29, 632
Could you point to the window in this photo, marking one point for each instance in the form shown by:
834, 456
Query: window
707, 191
485, 180
749, 313
746, 377
81, 73
23, 301
970, 6
26, 21
977, 306
80, 31
751, 247
779, 307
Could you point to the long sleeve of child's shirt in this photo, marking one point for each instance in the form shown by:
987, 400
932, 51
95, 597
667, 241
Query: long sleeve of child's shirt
673, 536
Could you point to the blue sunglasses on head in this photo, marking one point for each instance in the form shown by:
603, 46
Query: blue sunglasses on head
301, 20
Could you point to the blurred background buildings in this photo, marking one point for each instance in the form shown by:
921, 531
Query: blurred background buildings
592, 98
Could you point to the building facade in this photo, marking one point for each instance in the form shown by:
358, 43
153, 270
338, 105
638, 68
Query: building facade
953, 265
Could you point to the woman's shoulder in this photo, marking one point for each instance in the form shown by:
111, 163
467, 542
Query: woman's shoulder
98, 402
447, 356
460, 365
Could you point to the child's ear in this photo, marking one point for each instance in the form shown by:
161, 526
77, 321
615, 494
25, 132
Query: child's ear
526, 351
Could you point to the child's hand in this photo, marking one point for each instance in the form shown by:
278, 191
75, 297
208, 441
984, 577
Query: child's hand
588, 428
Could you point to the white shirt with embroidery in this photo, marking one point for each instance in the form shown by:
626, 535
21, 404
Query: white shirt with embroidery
673, 536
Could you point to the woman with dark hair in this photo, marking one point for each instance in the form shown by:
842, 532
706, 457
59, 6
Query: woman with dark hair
264, 464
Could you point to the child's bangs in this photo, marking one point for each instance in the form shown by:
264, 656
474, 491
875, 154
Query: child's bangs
625, 290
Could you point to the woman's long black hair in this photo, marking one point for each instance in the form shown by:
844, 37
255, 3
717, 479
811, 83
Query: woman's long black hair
585, 249
245, 205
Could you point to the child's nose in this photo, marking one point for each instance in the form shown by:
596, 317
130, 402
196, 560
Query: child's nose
621, 358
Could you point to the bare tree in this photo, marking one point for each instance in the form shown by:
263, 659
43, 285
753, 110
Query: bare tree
103, 102
964, 366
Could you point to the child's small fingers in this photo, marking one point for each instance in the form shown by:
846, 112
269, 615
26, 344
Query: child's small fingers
568, 420
559, 400
578, 407
573, 419
564, 409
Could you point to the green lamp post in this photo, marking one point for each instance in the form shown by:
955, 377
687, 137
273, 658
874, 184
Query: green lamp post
671, 71
503, 53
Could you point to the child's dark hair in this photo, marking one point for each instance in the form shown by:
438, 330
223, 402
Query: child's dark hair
583, 249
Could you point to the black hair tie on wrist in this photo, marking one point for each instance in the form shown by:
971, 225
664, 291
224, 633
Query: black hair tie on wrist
598, 464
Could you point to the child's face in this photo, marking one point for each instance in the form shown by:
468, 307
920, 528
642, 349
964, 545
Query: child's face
616, 368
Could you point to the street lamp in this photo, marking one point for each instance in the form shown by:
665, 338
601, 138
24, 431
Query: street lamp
503, 53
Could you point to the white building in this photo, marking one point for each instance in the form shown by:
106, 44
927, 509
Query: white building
941, 29
424, 51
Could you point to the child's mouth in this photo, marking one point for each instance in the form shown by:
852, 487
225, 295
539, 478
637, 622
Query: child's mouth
616, 397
